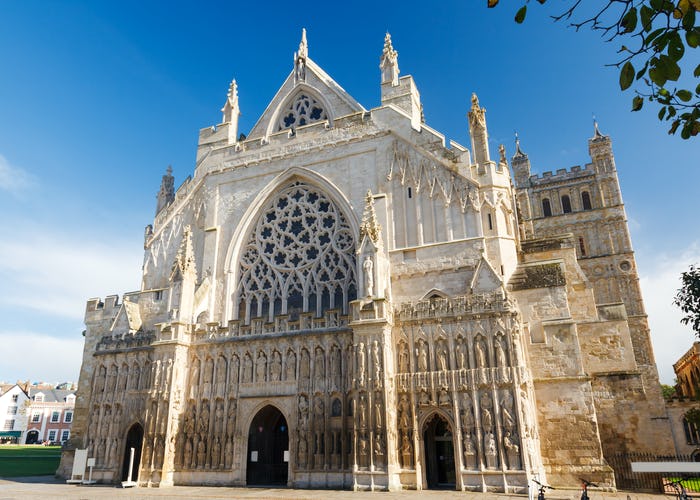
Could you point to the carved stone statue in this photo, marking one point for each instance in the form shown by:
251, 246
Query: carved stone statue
261, 368
403, 358
404, 413
377, 362
480, 353
422, 356
361, 363
275, 366
490, 451
442, 357
368, 269
291, 369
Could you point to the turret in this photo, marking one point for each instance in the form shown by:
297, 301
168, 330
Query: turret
521, 166
600, 149
478, 132
399, 92
166, 195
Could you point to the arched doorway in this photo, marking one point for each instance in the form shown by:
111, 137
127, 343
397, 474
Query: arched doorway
32, 437
439, 454
268, 449
134, 439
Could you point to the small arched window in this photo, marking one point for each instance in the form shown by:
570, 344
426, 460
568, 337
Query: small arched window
586, 200
566, 204
692, 436
546, 207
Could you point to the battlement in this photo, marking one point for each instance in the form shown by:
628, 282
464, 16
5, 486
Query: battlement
562, 174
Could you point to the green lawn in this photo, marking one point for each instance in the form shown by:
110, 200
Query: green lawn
29, 460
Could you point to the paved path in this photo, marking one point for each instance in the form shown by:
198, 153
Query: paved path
49, 488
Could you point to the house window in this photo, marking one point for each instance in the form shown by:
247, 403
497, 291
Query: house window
15, 397
68, 417
36, 417
39, 398
546, 207
582, 247
12, 410
566, 204
55, 416
158, 295
586, 200
9, 424
52, 435
64, 436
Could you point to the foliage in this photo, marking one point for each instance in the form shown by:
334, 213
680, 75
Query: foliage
688, 298
667, 391
693, 416
655, 36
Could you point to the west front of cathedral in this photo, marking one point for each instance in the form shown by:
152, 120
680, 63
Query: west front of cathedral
342, 300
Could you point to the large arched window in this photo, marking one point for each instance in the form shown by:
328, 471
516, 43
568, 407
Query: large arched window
300, 257
566, 204
546, 207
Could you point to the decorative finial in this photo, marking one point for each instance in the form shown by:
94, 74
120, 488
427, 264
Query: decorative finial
370, 226
231, 104
300, 58
389, 62
169, 170
477, 114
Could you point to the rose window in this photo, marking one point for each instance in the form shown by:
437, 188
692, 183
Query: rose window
302, 110
299, 258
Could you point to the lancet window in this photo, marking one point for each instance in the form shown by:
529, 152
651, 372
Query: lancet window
302, 110
299, 258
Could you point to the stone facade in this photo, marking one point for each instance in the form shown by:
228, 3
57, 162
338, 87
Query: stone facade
341, 300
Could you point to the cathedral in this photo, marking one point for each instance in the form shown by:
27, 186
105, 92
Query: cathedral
340, 299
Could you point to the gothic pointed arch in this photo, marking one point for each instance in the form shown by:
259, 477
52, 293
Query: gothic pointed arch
293, 252
303, 105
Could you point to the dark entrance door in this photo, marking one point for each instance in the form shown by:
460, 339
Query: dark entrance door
268, 440
32, 437
134, 439
439, 454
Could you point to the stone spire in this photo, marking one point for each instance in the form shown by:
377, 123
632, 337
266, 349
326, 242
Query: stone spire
300, 58
166, 195
370, 226
478, 132
389, 63
231, 112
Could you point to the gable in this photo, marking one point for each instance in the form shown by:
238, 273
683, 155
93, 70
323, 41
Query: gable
326, 100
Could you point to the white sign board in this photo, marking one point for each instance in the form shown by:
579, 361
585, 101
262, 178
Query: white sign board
254, 456
286, 456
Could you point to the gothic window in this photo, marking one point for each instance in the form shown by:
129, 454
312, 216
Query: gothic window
586, 200
566, 204
546, 207
582, 247
692, 435
299, 257
302, 110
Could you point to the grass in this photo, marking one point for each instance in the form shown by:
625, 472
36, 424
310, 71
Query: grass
16, 461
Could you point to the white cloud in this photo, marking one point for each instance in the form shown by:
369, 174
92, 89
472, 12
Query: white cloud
13, 179
38, 357
660, 279
56, 273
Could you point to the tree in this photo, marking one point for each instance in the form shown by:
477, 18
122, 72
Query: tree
667, 391
688, 298
656, 35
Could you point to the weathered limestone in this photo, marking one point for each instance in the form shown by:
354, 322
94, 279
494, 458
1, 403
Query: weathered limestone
339, 300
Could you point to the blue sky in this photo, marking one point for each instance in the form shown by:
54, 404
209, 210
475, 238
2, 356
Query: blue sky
98, 98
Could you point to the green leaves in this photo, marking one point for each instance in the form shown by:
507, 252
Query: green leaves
637, 103
658, 38
626, 76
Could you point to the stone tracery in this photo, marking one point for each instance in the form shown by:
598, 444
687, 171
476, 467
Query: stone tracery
298, 257
303, 109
